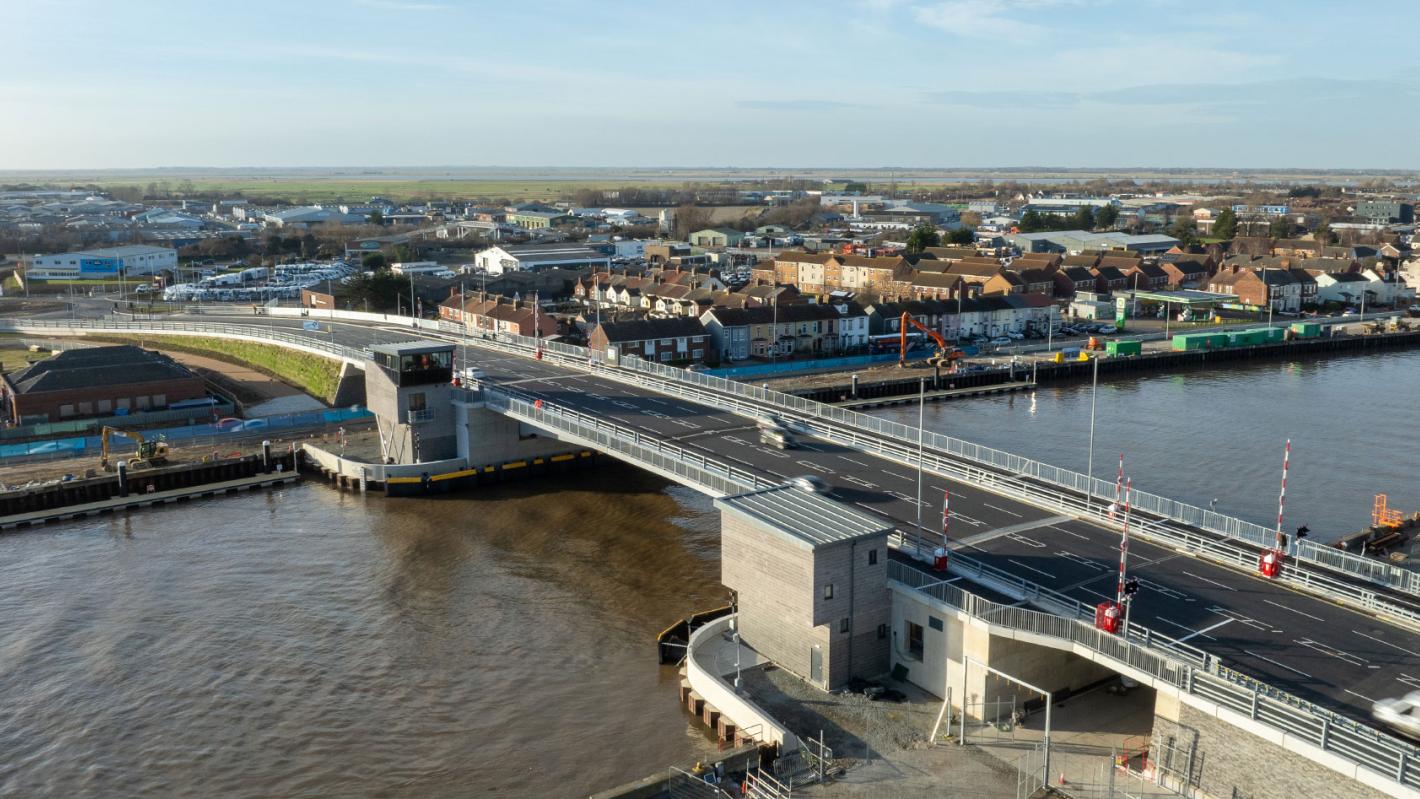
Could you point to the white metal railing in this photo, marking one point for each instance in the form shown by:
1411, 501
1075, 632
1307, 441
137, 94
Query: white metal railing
1331, 732
869, 433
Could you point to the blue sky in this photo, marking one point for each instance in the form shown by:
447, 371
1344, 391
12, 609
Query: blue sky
833, 83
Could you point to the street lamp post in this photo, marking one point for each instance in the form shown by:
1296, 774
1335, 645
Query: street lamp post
1090, 462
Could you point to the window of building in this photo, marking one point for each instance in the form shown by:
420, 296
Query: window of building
935, 623
882, 631
122, 403
914, 640
66, 410
160, 400
142, 402
828, 591
105, 406
845, 625
697, 354
86, 408
417, 401
872, 557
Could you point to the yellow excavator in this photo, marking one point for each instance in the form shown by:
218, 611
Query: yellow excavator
150, 453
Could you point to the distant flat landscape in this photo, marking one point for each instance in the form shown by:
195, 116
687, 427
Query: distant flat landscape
315, 184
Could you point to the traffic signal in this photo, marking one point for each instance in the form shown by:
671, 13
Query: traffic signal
1131, 586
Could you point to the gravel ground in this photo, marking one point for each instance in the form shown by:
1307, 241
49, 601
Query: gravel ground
881, 746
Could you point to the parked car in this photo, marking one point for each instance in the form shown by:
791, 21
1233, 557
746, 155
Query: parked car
1001, 341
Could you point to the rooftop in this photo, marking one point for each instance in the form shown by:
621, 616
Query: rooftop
411, 347
96, 366
802, 516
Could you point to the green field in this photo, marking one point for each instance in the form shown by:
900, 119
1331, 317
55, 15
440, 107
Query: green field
313, 374
317, 190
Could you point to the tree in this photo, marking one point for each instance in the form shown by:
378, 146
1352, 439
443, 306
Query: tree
1106, 217
923, 237
1185, 229
1084, 218
1226, 225
373, 260
961, 236
1280, 229
1031, 222
377, 218
690, 218
1322, 233
382, 290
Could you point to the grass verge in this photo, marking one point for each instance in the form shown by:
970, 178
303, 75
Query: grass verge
313, 374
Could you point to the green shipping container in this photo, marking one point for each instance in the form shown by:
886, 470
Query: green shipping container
1187, 342
1306, 329
1218, 340
1124, 347
1272, 334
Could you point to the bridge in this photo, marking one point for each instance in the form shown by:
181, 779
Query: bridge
1304, 656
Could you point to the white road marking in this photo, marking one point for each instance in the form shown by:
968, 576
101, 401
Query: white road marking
1162, 589
1408, 681
1082, 560
1363, 696
1206, 580
1032, 568
1204, 632
1003, 510
856, 480
1253, 623
1387, 643
657, 400
1300, 612
1070, 532
855, 460
1276, 663
1027, 540
1345, 657
814, 466
903, 497
894, 474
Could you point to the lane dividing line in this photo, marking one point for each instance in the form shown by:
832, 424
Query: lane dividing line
1301, 612
1204, 632
1387, 643
1277, 663
1206, 580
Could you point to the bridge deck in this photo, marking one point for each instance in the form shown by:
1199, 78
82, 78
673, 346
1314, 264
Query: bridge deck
1298, 642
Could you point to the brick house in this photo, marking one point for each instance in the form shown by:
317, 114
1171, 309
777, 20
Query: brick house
671, 340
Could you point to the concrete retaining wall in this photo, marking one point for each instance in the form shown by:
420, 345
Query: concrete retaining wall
752, 721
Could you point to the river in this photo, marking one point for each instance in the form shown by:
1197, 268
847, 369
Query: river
1201, 435
307, 642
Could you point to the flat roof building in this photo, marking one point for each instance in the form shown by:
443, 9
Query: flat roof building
810, 576
526, 257
108, 263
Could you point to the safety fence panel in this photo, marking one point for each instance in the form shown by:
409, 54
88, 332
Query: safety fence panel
1302, 720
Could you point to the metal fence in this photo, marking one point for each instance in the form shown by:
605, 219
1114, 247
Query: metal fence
1101, 491
689, 468
883, 436
1329, 731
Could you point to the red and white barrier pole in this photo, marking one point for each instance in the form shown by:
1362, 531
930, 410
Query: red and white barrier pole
1124, 546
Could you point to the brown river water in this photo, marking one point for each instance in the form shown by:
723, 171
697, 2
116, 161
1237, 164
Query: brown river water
308, 643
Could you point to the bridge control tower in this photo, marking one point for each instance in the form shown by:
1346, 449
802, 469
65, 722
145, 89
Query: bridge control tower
411, 393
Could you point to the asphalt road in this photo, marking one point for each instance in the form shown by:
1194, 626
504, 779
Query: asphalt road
1320, 651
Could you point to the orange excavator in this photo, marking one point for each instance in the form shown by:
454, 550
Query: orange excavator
943, 356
